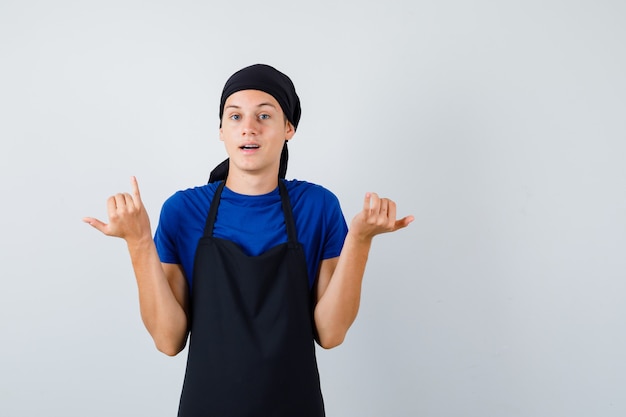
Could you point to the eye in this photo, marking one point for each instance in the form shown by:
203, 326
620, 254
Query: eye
264, 116
234, 117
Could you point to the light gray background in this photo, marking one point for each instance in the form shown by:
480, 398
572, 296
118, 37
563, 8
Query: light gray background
500, 125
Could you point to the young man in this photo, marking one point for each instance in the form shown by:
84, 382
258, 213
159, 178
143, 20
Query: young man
252, 266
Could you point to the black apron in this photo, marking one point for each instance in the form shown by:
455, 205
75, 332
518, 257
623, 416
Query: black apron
251, 350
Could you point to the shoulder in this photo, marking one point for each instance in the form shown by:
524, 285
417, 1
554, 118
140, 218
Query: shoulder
190, 200
304, 190
312, 200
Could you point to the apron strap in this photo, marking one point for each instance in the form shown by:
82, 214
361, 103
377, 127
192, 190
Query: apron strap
210, 220
290, 224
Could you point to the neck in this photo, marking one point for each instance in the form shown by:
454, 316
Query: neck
247, 184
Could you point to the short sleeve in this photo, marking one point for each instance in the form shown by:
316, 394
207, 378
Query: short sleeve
165, 237
335, 226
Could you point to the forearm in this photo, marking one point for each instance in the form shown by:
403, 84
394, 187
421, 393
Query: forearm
338, 306
162, 313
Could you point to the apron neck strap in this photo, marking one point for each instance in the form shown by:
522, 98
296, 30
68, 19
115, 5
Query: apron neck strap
290, 223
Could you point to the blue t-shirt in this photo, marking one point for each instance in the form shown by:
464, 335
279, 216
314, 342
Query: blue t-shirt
256, 223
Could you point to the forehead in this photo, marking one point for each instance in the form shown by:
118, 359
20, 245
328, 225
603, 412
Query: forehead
251, 98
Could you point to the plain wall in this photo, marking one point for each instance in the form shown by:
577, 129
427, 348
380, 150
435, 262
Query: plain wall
500, 125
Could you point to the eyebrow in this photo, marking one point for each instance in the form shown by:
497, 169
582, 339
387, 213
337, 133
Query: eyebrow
234, 106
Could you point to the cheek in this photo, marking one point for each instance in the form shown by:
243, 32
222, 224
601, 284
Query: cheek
227, 135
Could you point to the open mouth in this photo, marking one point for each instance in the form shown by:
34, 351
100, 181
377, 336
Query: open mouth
249, 146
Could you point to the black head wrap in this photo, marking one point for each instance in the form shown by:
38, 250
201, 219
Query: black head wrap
273, 82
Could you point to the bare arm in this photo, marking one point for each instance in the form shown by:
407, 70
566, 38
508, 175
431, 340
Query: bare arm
163, 294
338, 285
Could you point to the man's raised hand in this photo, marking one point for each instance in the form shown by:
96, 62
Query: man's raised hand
128, 218
378, 216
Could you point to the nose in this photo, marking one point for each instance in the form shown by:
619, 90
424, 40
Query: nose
249, 126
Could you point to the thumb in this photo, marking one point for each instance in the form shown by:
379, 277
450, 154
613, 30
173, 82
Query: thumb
404, 222
97, 224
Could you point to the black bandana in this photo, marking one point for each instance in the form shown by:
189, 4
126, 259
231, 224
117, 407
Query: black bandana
269, 80
273, 82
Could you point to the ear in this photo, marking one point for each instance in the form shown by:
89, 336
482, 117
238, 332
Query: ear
221, 134
289, 130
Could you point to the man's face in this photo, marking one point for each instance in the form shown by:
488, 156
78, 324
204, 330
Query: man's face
254, 131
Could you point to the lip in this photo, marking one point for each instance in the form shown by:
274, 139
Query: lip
249, 147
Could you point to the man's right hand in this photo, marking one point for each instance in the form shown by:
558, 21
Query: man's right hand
128, 218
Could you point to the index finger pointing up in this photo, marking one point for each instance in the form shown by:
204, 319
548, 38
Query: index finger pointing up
135, 189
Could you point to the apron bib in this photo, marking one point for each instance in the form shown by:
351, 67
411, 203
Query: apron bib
251, 350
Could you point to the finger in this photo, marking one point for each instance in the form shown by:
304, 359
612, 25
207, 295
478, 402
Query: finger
119, 204
404, 222
134, 185
367, 201
129, 201
111, 205
374, 207
391, 210
384, 206
96, 224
